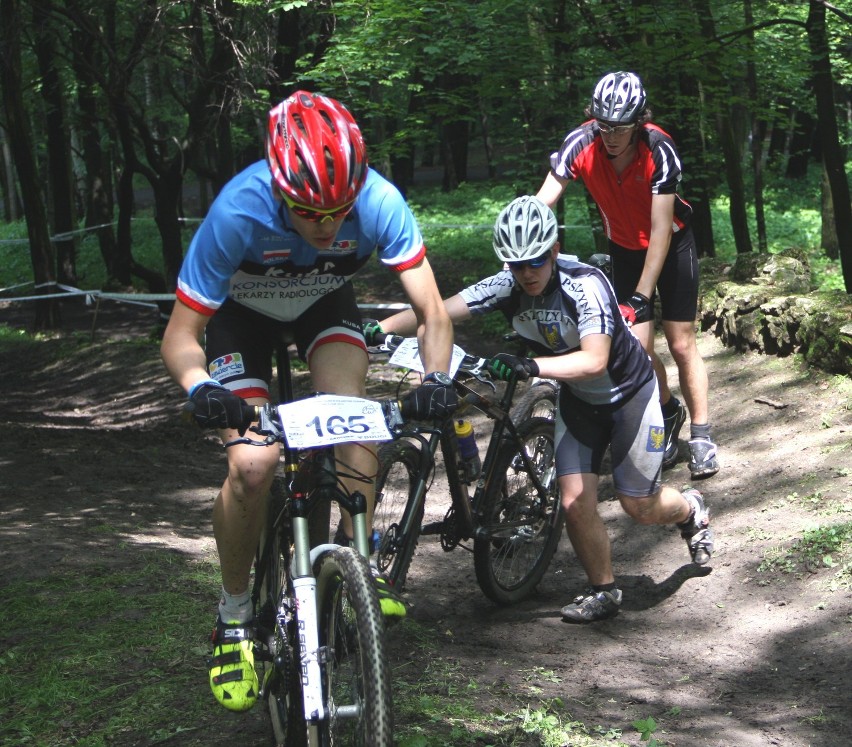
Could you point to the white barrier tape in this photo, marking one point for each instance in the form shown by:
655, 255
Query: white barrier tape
88, 229
70, 234
13, 287
146, 299
483, 227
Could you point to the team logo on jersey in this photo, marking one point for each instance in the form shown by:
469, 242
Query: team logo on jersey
226, 366
275, 255
656, 438
550, 332
344, 246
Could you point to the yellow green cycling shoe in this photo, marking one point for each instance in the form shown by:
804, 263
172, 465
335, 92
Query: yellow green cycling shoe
233, 678
391, 604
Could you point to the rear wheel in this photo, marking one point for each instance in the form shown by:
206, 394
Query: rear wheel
521, 528
539, 401
356, 677
395, 484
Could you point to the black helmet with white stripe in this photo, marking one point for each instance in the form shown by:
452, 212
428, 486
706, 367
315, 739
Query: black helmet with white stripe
619, 98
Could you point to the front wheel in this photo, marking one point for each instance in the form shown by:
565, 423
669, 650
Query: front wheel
520, 528
395, 509
356, 677
275, 662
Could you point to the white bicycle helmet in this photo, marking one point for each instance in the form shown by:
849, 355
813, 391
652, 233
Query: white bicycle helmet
618, 98
526, 228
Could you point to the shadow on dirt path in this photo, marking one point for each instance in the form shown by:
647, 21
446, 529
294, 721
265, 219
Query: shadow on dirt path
729, 655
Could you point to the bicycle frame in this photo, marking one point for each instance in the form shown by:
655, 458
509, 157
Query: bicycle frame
291, 526
443, 436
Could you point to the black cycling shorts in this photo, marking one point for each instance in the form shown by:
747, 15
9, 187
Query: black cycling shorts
677, 285
240, 342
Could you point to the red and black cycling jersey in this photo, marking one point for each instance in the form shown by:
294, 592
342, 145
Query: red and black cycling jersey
624, 200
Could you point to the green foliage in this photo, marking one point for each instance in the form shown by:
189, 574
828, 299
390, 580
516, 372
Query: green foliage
437, 706
646, 728
821, 547
121, 676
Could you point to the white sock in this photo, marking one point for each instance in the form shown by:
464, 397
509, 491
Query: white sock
235, 608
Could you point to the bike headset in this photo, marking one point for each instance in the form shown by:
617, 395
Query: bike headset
315, 151
525, 229
618, 99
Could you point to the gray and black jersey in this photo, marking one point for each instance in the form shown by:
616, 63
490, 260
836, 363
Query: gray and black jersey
578, 301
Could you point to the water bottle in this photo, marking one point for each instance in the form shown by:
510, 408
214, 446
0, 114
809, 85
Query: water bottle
469, 462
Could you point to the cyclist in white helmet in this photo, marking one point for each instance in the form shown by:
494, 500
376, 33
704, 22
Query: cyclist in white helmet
632, 170
567, 314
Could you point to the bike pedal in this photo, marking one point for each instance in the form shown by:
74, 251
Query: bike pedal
434, 527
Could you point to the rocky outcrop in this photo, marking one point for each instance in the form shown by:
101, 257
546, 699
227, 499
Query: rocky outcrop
764, 302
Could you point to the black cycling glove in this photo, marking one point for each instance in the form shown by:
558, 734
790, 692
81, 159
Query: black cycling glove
372, 328
636, 310
430, 400
504, 366
213, 406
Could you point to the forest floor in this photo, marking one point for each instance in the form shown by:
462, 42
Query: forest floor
751, 650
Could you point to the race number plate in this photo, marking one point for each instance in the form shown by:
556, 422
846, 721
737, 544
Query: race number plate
407, 355
329, 419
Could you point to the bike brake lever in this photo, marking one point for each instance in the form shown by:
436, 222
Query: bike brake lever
269, 424
479, 373
393, 415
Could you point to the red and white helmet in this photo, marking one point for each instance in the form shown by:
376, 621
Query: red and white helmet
619, 98
315, 151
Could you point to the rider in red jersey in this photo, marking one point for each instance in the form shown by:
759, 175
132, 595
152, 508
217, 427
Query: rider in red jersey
632, 170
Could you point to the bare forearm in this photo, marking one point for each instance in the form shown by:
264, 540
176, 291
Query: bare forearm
435, 339
575, 366
404, 323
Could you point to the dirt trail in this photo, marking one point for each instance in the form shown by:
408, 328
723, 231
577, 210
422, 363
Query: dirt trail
725, 655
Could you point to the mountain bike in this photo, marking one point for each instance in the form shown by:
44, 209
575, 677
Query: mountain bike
514, 516
319, 632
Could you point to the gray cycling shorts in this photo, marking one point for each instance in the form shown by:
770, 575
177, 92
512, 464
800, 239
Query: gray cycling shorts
633, 431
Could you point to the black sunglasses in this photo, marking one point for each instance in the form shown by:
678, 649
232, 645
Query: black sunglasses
535, 262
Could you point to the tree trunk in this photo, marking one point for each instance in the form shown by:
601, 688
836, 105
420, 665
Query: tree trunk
60, 176
801, 145
832, 153
98, 194
167, 188
11, 199
41, 250
756, 139
727, 139
691, 145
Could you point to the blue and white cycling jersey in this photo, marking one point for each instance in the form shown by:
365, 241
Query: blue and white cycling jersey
579, 301
246, 248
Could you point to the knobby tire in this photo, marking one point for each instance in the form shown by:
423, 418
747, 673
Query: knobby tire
539, 401
395, 484
356, 676
512, 559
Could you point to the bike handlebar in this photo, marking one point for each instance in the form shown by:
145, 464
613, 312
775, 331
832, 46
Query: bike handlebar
470, 364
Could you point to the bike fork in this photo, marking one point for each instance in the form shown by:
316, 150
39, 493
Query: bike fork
307, 624
307, 640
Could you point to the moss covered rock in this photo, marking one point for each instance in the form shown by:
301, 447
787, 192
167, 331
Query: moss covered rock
764, 302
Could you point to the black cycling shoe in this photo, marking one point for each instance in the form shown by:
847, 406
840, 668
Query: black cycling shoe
592, 605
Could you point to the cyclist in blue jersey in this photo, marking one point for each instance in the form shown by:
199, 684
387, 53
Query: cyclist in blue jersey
632, 170
276, 254
567, 313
